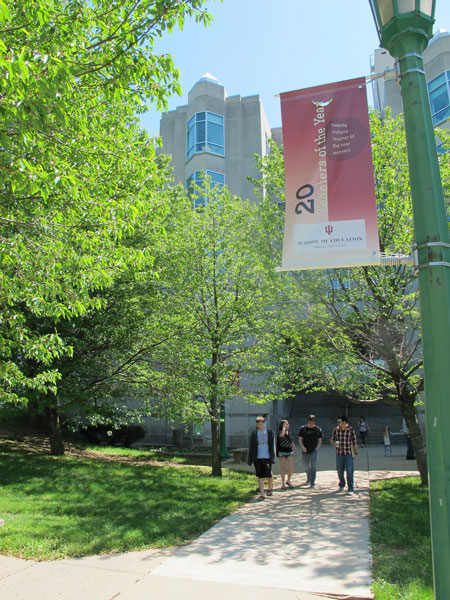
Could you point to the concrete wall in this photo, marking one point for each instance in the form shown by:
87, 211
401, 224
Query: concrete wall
246, 134
436, 56
436, 60
239, 422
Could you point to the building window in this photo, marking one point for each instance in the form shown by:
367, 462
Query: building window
439, 92
197, 178
197, 429
205, 133
338, 285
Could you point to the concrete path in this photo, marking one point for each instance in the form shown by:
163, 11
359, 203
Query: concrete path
302, 539
304, 544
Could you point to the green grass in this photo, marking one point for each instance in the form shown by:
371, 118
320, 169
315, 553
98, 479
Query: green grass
401, 546
57, 507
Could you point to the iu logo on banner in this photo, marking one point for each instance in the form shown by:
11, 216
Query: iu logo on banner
331, 218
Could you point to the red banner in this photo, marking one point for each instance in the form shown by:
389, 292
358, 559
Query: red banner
331, 218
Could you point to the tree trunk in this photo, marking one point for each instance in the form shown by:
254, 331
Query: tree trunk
56, 441
32, 413
215, 419
409, 413
216, 459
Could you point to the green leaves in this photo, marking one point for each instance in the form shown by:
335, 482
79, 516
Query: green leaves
358, 330
5, 14
216, 280
78, 177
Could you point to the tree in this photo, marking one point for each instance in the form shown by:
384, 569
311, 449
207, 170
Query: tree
96, 385
219, 299
77, 172
357, 331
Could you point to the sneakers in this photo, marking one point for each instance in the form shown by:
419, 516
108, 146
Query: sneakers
350, 493
341, 489
312, 486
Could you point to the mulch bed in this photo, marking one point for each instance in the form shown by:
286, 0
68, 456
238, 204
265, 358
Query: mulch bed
377, 475
37, 443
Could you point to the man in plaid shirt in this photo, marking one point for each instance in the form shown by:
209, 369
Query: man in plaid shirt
343, 439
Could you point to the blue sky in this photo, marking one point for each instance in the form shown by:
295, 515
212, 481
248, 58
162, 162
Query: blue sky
270, 46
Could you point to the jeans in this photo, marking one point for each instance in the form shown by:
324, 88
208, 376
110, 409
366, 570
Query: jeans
309, 460
345, 463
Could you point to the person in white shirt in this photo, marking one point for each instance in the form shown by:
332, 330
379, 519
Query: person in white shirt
261, 453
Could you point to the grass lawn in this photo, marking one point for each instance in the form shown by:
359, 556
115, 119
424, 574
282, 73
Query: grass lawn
56, 507
401, 546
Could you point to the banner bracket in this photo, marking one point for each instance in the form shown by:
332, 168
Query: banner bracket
394, 260
388, 74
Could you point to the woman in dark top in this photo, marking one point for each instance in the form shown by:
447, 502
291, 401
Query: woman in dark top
363, 430
285, 450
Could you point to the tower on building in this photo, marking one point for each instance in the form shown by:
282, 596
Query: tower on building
216, 134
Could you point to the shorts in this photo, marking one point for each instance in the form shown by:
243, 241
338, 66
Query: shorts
285, 454
263, 468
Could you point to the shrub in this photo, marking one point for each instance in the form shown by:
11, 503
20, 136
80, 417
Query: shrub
108, 435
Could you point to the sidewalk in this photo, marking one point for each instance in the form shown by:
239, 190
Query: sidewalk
305, 544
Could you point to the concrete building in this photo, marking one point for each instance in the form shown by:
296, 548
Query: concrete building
216, 134
436, 59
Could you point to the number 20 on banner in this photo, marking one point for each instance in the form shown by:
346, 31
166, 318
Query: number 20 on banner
302, 205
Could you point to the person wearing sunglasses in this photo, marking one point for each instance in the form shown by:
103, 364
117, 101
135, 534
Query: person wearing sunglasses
285, 451
261, 453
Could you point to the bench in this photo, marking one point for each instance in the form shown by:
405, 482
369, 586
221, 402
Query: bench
240, 455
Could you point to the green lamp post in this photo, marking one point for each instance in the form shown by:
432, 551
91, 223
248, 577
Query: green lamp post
404, 27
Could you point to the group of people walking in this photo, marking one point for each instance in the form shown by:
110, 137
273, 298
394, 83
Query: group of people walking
264, 446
